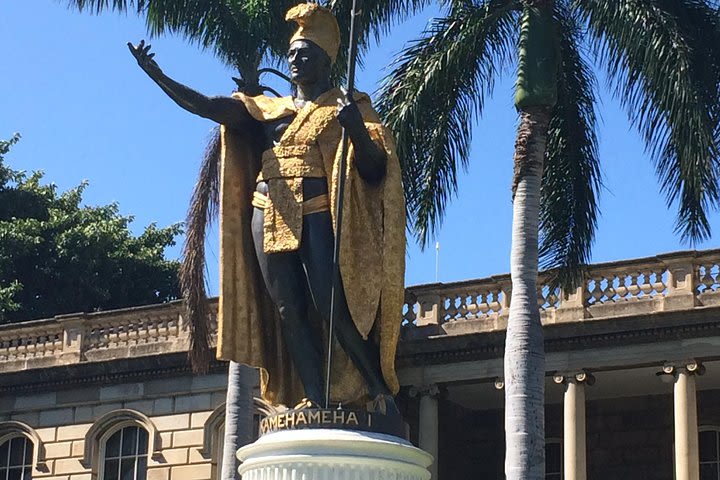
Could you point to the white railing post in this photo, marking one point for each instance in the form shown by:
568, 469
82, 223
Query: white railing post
430, 309
74, 326
681, 284
572, 304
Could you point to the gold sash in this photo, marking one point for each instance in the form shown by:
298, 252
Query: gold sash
318, 204
283, 168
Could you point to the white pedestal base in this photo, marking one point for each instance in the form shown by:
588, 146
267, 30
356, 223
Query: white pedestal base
325, 454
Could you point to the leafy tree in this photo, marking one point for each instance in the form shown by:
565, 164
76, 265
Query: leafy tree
663, 60
57, 256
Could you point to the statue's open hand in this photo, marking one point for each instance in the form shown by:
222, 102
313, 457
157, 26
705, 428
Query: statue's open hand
144, 57
349, 114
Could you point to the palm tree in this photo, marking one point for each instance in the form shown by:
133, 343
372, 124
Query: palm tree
663, 59
250, 36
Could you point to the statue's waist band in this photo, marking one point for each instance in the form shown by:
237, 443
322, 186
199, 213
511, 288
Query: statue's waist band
292, 162
318, 204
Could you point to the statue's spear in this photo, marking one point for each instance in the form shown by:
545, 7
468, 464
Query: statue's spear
336, 284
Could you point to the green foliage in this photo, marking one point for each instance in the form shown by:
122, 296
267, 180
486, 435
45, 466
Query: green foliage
538, 59
428, 100
57, 256
663, 59
571, 177
247, 33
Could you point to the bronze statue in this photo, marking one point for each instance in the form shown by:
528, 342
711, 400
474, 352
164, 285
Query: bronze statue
278, 185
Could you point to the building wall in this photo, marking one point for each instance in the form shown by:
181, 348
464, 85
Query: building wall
179, 407
472, 443
630, 438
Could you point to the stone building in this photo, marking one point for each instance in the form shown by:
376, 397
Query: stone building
108, 396
632, 391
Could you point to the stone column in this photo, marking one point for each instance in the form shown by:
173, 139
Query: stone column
687, 458
574, 430
428, 423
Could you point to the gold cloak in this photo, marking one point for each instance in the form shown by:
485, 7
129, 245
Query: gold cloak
372, 256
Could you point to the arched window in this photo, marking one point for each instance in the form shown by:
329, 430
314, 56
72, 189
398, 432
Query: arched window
709, 453
213, 440
16, 454
124, 454
217, 454
118, 445
553, 459
21, 452
214, 437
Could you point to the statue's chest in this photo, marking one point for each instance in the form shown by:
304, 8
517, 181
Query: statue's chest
274, 130
302, 128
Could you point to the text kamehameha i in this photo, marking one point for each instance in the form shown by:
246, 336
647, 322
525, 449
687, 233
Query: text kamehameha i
317, 418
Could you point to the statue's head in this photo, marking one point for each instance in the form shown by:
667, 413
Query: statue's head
314, 46
308, 62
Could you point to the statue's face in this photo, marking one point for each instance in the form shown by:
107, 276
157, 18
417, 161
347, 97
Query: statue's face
308, 63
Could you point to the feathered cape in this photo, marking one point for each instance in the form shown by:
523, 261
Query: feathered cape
372, 253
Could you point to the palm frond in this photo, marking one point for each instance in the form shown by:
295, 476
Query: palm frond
236, 31
242, 33
571, 178
245, 33
99, 6
376, 19
662, 58
378, 16
203, 210
428, 100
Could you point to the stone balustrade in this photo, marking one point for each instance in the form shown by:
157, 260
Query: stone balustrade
88, 337
675, 281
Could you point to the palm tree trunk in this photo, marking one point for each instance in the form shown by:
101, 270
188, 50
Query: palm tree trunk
524, 348
239, 406
238, 416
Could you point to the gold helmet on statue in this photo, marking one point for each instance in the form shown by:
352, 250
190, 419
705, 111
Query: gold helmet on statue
316, 24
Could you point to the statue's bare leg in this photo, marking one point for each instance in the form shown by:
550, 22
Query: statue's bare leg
316, 251
286, 283
288, 276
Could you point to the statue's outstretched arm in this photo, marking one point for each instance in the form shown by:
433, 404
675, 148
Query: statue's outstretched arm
224, 110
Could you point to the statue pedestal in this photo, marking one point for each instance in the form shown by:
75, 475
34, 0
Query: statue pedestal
332, 454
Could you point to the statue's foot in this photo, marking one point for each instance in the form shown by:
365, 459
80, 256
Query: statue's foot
267, 408
385, 404
306, 403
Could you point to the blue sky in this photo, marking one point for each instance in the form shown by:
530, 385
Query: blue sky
87, 112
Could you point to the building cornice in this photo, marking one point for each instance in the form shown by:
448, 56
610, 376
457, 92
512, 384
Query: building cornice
103, 373
631, 330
